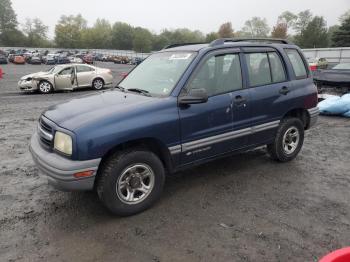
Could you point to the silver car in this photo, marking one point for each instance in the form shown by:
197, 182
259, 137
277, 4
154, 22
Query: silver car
67, 77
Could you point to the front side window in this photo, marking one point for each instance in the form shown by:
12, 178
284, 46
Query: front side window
218, 74
258, 69
66, 71
297, 63
159, 73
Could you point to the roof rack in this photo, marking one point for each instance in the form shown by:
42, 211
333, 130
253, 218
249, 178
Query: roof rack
222, 41
183, 44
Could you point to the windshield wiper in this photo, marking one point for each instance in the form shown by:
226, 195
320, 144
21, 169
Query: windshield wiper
138, 90
120, 88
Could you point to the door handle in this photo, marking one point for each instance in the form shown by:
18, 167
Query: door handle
284, 90
239, 100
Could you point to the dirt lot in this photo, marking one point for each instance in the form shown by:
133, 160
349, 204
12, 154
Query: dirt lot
242, 208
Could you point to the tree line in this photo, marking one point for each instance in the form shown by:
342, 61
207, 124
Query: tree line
72, 31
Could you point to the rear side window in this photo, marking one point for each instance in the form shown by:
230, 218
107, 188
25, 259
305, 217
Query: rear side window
277, 69
258, 69
297, 63
81, 69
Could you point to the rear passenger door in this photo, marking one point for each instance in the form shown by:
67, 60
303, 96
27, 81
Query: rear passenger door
206, 129
85, 75
269, 91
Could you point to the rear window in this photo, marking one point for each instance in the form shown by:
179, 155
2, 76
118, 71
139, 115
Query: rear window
297, 63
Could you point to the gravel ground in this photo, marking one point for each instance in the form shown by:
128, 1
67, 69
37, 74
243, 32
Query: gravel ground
241, 208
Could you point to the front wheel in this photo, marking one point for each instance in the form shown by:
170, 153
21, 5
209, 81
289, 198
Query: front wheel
131, 181
97, 84
288, 141
45, 87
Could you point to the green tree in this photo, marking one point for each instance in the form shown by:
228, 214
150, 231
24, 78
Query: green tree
344, 16
226, 30
159, 42
36, 32
9, 34
287, 17
304, 18
68, 31
331, 31
256, 27
341, 37
211, 37
314, 35
98, 36
142, 40
122, 36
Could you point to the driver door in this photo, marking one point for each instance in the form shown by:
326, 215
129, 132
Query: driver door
65, 79
207, 128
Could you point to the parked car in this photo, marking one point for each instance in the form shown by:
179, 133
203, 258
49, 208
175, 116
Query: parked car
50, 59
317, 63
35, 60
121, 60
75, 60
182, 106
3, 59
337, 77
135, 61
66, 77
61, 60
88, 59
20, 60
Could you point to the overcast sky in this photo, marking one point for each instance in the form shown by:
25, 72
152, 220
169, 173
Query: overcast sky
205, 15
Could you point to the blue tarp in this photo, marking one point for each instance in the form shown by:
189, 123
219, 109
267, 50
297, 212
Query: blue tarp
335, 105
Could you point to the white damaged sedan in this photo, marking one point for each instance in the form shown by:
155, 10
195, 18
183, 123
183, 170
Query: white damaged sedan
67, 77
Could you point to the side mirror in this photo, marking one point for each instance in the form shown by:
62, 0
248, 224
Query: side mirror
195, 96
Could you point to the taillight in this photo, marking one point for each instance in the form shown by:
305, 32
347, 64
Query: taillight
313, 67
123, 74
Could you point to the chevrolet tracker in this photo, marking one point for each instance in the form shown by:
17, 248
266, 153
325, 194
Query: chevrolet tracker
184, 105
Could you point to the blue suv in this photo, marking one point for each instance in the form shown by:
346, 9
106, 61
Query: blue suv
183, 106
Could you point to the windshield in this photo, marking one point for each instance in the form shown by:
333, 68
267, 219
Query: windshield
55, 69
342, 66
159, 73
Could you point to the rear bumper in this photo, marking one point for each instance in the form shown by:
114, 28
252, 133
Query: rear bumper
60, 170
313, 113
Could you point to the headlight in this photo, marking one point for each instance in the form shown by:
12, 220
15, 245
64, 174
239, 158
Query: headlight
63, 143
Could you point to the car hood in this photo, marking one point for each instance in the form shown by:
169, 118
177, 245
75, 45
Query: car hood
332, 75
39, 74
91, 109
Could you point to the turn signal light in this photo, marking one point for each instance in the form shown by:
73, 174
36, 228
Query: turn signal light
84, 174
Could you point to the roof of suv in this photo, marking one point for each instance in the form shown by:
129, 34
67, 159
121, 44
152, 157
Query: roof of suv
230, 42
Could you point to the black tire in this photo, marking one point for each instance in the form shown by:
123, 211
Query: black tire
45, 87
284, 152
98, 84
111, 173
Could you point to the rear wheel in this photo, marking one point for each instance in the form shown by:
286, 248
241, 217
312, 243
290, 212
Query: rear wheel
288, 141
45, 87
98, 84
131, 181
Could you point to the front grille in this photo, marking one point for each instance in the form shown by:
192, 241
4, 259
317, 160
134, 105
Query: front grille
45, 134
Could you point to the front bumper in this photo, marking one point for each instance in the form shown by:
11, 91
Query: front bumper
313, 113
25, 85
60, 170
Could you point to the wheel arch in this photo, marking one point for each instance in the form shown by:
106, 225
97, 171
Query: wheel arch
152, 144
300, 113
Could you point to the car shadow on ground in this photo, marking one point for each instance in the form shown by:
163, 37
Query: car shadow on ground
233, 168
